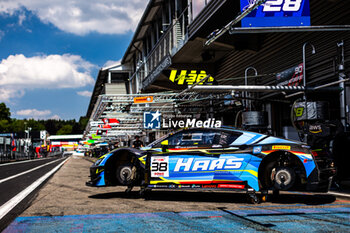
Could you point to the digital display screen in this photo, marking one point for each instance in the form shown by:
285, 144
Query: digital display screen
277, 13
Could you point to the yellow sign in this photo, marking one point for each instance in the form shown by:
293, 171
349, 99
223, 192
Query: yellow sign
280, 147
189, 77
143, 99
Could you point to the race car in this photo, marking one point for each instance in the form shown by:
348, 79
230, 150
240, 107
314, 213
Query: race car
217, 158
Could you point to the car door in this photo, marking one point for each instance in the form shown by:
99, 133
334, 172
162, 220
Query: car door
188, 160
232, 160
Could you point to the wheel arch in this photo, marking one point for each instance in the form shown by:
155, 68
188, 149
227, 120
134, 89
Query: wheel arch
119, 157
270, 161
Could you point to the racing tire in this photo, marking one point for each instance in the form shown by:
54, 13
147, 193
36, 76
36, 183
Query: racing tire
125, 174
284, 178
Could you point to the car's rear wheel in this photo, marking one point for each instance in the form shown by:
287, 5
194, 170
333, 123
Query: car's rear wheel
284, 178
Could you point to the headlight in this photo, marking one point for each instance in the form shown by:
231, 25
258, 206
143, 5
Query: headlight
98, 162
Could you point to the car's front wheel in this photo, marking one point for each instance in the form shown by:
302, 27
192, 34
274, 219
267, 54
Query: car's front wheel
126, 174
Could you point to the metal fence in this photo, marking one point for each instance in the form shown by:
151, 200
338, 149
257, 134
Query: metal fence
168, 44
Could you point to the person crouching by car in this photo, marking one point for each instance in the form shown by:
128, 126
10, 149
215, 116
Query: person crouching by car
137, 144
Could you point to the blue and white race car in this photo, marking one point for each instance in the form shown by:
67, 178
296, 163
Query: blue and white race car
216, 158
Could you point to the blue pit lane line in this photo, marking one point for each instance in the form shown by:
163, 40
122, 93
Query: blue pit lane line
251, 220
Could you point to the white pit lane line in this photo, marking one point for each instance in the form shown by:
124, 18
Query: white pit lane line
8, 206
25, 161
25, 172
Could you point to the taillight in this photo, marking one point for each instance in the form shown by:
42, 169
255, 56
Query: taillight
320, 153
315, 153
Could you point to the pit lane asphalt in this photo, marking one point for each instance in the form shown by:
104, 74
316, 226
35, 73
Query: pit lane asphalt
16, 177
66, 204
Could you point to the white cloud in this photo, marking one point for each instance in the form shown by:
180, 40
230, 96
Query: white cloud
55, 117
21, 18
85, 93
111, 63
37, 114
19, 73
33, 113
83, 16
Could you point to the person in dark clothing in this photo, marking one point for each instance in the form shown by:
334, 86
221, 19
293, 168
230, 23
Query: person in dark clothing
137, 143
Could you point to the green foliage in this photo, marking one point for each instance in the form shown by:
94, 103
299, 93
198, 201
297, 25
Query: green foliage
53, 126
4, 126
17, 125
5, 113
66, 129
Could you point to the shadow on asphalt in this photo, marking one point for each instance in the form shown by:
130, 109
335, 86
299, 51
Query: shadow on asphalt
307, 199
218, 197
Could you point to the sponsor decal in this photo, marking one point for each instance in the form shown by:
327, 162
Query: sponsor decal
143, 99
280, 147
208, 186
190, 77
184, 186
315, 129
165, 63
189, 165
231, 186
160, 166
151, 120
161, 186
276, 13
195, 186
257, 150
299, 111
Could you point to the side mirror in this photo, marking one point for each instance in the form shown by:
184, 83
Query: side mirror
165, 145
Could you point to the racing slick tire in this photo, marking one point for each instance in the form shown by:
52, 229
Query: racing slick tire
284, 178
125, 174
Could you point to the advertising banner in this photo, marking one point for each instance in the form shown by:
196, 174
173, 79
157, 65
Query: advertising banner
188, 77
291, 77
277, 13
143, 100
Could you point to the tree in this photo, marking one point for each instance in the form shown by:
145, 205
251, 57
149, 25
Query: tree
35, 125
83, 121
5, 113
4, 126
17, 125
66, 129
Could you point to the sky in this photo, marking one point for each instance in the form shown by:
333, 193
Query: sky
51, 52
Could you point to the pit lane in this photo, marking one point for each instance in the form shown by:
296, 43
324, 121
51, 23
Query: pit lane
66, 204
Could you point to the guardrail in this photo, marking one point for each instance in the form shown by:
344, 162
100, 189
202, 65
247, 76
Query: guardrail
18, 156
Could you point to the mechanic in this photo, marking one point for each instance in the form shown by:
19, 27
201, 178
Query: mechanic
137, 143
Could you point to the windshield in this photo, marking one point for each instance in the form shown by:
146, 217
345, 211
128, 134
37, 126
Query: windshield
157, 141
